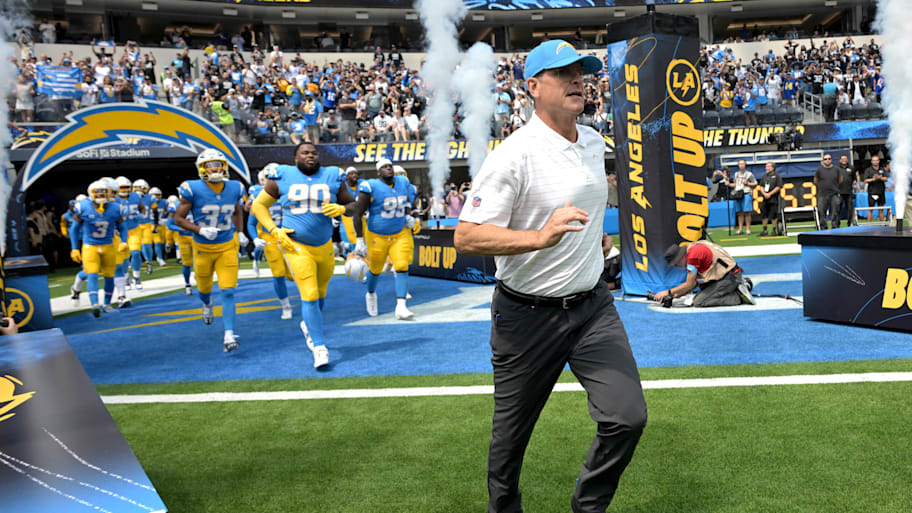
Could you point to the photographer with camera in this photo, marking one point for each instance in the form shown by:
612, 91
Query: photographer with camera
721, 280
742, 187
456, 199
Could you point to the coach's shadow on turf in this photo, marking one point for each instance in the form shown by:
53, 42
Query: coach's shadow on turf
353, 353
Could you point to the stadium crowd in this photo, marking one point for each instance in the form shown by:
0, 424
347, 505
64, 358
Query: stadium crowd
840, 73
273, 97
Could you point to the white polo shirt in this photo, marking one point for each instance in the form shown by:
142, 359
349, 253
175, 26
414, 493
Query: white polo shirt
529, 175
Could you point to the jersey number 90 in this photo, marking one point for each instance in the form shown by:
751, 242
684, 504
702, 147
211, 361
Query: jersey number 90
305, 198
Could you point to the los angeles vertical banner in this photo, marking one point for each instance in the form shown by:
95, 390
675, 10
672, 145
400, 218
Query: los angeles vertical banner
660, 161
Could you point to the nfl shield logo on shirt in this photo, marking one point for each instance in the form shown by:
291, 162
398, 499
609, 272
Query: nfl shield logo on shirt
476, 201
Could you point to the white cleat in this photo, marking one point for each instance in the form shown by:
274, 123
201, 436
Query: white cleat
321, 357
403, 313
287, 313
188, 290
161, 262
207, 314
230, 343
370, 299
137, 283
310, 342
124, 302
256, 270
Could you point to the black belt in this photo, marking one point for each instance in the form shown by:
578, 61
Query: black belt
565, 302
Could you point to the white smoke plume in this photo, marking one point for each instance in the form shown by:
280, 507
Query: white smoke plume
440, 19
474, 80
13, 18
895, 25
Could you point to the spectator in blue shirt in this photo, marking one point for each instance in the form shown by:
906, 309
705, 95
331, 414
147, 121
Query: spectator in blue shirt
311, 110
298, 128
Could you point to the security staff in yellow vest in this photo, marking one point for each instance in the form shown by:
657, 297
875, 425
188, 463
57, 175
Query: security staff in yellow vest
226, 121
721, 281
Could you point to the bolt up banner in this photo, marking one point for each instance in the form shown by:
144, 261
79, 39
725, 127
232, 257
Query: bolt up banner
658, 127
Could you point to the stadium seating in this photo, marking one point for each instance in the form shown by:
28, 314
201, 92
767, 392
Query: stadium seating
875, 110
766, 115
726, 117
844, 112
710, 119
781, 114
860, 112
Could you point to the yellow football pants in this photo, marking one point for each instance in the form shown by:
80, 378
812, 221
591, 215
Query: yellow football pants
399, 247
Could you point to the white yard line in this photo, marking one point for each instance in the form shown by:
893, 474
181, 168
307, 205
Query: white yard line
814, 379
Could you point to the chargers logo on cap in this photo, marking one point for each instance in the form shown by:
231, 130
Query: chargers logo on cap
562, 45
109, 124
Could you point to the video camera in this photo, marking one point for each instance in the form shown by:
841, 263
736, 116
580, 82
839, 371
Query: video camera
787, 140
666, 301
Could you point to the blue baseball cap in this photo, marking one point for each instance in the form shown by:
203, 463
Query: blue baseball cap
557, 53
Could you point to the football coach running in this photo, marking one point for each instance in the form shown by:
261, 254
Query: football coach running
537, 206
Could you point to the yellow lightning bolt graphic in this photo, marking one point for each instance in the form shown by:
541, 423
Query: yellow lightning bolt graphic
163, 122
7, 387
195, 314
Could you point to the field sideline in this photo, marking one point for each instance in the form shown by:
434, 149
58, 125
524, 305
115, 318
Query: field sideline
804, 431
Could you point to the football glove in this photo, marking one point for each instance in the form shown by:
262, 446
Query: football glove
333, 209
76, 256
209, 232
281, 236
413, 223
259, 243
243, 240
360, 247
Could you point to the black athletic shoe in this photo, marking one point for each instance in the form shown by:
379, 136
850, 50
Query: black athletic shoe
149, 267
763, 233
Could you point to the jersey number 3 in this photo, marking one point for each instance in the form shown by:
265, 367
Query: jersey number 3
308, 198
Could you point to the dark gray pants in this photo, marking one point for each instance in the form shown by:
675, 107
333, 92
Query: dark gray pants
829, 203
722, 292
530, 347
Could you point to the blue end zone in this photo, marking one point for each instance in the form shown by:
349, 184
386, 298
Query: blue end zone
181, 348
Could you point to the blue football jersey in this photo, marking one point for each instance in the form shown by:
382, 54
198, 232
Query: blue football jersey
389, 205
302, 198
98, 227
133, 216
213, 209
172, 211
275, 211
149, 202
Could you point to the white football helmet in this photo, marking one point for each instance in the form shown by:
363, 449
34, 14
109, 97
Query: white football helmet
141, 186
112, 187
156, 193
264, 174
80, 197
212, 165
124, 186
399, 170
172, 199
98, 191
356, 268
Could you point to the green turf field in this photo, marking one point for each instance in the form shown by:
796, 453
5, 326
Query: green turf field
808, 448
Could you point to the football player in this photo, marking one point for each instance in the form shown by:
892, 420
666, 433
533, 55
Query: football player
309, 195
215, 202
388, 199
146, 226
352, 180
158, 209
123, 251
265, 244
96, 219
135, 211
184, 241
66, 229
